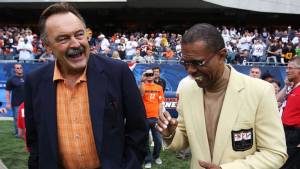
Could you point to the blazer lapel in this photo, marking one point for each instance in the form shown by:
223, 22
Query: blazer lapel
49, 104
97, 84
231, 106
196, 108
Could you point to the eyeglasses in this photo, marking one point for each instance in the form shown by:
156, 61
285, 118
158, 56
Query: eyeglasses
149, 74
18, 68
195, 63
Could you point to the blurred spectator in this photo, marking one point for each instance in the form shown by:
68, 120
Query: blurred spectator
91, 39
267, 77
15, 93
178, 49
121, 47
255, 72
138, 58
28, 35
164, 41
157, 41
288, 52
276, 85
290, 113
131, 46
106, 52
103, 42
153, 98
258, 51
47, 56
265, 35
25, 49
245, 42
274, 52
226, 36
115, 55
21, 121
285, 38
144, 47
169, 54
149, 58
157, 79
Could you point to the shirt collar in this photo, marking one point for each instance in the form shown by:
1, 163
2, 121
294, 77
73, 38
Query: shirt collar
57, 76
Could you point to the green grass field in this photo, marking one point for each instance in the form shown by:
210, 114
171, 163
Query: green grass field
12, 152
13, 155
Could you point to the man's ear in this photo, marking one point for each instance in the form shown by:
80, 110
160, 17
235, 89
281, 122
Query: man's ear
223, 53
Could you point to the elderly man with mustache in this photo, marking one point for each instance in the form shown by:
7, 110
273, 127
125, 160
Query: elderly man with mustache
83, 110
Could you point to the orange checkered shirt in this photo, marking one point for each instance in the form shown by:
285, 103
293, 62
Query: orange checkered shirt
76, 143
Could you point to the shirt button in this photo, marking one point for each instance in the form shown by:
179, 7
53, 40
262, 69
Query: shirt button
77, 135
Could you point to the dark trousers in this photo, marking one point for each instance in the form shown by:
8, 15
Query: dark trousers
292, 135
156, 139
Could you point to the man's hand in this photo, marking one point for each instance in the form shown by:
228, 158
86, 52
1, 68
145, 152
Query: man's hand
166, 124
207, 165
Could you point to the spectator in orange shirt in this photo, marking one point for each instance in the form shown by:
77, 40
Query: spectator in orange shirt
153, 98
169, 54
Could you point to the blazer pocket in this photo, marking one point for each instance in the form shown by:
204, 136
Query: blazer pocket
242, 136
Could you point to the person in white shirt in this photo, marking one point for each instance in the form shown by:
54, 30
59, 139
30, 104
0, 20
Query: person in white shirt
258, 50
25, 49
104, 44
138, 58
131, 46
149, 58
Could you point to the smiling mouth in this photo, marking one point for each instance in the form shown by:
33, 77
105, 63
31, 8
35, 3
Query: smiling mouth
198, 78
75, 53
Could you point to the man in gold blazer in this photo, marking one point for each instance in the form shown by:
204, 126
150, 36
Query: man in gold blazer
229, 120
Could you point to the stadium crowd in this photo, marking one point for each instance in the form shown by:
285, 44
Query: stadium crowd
243, 45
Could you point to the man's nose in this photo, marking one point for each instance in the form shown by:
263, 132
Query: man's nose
190, 69
74, 43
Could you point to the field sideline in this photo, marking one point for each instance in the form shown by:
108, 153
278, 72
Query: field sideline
13, 155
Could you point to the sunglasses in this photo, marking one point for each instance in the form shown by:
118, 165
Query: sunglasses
149, 74
195, 63
19, 68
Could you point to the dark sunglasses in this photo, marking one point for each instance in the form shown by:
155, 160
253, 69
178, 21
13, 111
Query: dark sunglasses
195, 63
149, 74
